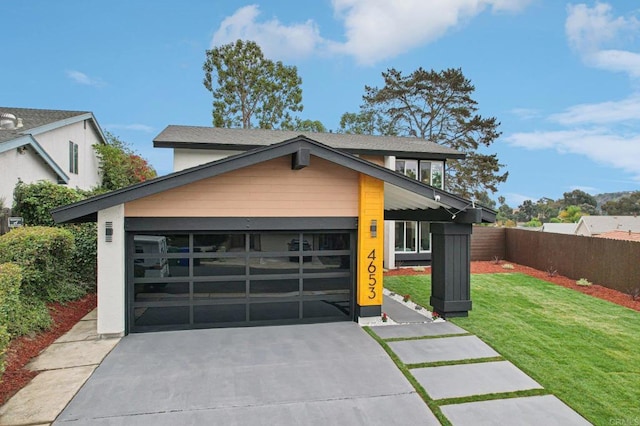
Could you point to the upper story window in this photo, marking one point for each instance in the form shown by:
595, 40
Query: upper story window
73, 157
429, 172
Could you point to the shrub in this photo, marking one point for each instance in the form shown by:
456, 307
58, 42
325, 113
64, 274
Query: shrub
4, 342
35, 201
46, 257
583, 282
19, 314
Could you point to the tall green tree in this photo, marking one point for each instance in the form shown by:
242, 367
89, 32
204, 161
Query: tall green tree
249, 88
578, 197
120, 165
624, 206
437, 106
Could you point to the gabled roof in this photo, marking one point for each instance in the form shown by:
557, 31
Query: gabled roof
600, 224
402, 193
559, 228
28, 140
36, 121
245, 139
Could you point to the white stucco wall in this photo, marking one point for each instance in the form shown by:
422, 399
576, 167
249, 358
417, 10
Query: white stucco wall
56, 144
185, 158
111, 273
389, 227
28, 167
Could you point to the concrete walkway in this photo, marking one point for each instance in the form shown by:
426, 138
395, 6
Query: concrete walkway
463, 367
63, 368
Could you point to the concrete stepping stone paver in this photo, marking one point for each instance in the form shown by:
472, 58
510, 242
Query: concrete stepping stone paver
401, 313
454, 381
417, 330
532, 410
442, 349
93, 315
44, 397
72, 354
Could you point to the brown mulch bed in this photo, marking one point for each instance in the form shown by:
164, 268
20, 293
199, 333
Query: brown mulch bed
490, 267
22, 349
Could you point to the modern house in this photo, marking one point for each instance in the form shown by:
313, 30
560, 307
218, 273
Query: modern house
258, 227
51, 145
595, 225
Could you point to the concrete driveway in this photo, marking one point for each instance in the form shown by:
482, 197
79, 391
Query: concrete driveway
286, 375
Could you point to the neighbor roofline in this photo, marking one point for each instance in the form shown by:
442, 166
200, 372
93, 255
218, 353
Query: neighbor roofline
31, 141
67, 121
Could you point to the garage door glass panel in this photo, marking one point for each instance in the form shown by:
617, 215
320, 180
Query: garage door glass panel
323, 286
329, 241
327, 308
328, 264
179, 267
276, 242
274, 311
173, 315
203, 291
274, 265
219, 266
161, 292
212, 314
219, 243
274, 288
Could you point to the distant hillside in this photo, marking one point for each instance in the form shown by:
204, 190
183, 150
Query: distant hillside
611, 196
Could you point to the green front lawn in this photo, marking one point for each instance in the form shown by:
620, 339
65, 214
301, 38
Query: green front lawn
584, 350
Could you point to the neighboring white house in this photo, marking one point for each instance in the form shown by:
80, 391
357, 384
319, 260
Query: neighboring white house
52, 145
595, 225
406, 242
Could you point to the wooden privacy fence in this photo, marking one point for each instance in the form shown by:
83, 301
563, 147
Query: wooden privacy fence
611, 263
487, 243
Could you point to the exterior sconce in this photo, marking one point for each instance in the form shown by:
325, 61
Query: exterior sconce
108, 232
373, 228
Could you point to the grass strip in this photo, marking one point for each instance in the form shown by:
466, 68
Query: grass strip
401, 339
458, 362
492, 396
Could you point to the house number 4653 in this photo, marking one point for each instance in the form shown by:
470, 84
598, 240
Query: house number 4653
371, 269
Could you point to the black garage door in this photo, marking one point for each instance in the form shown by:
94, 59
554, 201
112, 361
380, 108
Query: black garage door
180, 280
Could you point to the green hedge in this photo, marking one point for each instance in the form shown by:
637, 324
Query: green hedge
19, 314
46, 257
34, 203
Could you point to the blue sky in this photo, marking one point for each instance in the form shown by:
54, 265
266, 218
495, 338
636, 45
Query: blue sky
562, 77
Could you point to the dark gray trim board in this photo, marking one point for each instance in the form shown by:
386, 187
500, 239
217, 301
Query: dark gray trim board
157, 224
83, 210
368, 311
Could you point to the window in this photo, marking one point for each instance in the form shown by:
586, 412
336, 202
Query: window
73, 157
431, 172
412, 235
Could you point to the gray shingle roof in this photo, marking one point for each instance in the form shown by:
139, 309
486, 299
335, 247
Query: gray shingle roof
245, 139
33, 119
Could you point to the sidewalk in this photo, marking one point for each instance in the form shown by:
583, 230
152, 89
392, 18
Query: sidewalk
449, 363
63, 368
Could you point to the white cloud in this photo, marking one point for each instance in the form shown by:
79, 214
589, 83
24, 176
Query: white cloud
82, 78
600, 145
136, 127
374, 29
593, 31
601, 113
381, 29
275, 39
